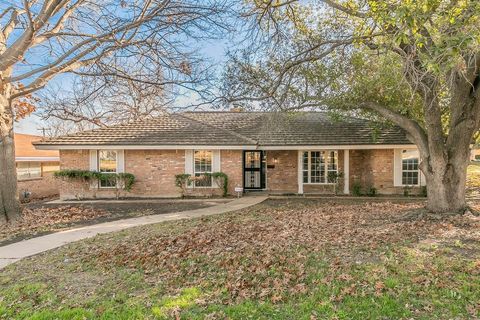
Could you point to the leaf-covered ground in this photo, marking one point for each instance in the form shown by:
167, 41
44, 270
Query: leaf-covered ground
283, 259
41, 218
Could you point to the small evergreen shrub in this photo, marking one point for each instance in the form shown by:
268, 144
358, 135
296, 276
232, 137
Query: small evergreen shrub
423, 191
184, 180
356, 189
372, 191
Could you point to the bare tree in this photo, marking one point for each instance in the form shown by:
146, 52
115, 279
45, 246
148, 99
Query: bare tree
99, 102
414, 63
128, 39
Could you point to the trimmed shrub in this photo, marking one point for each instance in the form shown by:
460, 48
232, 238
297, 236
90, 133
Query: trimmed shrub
356, 189
126, 180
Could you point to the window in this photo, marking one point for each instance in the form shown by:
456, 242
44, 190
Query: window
332, 168
29, 170
410, 172
319, 165
107, 163
202, 165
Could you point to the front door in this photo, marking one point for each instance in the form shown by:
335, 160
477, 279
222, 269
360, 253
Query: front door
253, 170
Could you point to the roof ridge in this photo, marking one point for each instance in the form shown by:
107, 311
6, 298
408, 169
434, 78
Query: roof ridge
238, 135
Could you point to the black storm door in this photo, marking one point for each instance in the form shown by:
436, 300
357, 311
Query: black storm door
253, 170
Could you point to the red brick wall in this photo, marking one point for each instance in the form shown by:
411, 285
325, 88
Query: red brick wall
154, 172
232, 166
282, 178
375, 168
46, 186
372, 168
74, 159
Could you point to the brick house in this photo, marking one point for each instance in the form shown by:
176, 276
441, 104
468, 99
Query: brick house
283, 153
35, 168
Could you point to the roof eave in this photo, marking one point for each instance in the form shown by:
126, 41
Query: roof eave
223, 147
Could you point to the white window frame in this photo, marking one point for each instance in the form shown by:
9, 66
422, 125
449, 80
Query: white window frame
116, 168
194, 174
326, 164
418, 171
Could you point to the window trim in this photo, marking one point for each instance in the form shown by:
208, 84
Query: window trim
193, 185
309, 167
418, 171
98, 168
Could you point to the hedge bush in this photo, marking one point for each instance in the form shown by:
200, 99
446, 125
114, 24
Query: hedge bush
128, 179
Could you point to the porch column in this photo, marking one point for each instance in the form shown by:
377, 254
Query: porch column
346, 171
300, 172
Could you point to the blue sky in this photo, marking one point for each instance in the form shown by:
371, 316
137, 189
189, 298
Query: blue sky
215, 51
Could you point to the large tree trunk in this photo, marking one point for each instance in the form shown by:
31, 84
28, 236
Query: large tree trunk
446, 181
9, 202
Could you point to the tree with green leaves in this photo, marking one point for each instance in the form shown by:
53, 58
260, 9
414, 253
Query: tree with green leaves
415, 64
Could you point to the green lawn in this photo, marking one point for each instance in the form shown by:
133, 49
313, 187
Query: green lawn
473, 180
473, 173
284, 259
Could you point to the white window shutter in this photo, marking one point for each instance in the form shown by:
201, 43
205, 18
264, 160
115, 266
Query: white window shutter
300, 171
93, 167
216, 167
120, 161
189, 162
93, 160
397, 167
423, 180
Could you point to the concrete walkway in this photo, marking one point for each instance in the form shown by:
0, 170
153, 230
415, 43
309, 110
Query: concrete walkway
16, 251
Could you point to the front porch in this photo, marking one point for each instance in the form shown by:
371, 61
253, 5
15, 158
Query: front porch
332, 171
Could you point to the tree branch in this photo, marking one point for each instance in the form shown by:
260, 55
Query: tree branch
412, 127
17, 50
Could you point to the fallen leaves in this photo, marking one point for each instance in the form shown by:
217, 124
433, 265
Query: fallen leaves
264, 254
379, 287
288, 259
42, 219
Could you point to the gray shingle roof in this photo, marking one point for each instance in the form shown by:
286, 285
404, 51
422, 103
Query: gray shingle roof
236, 129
